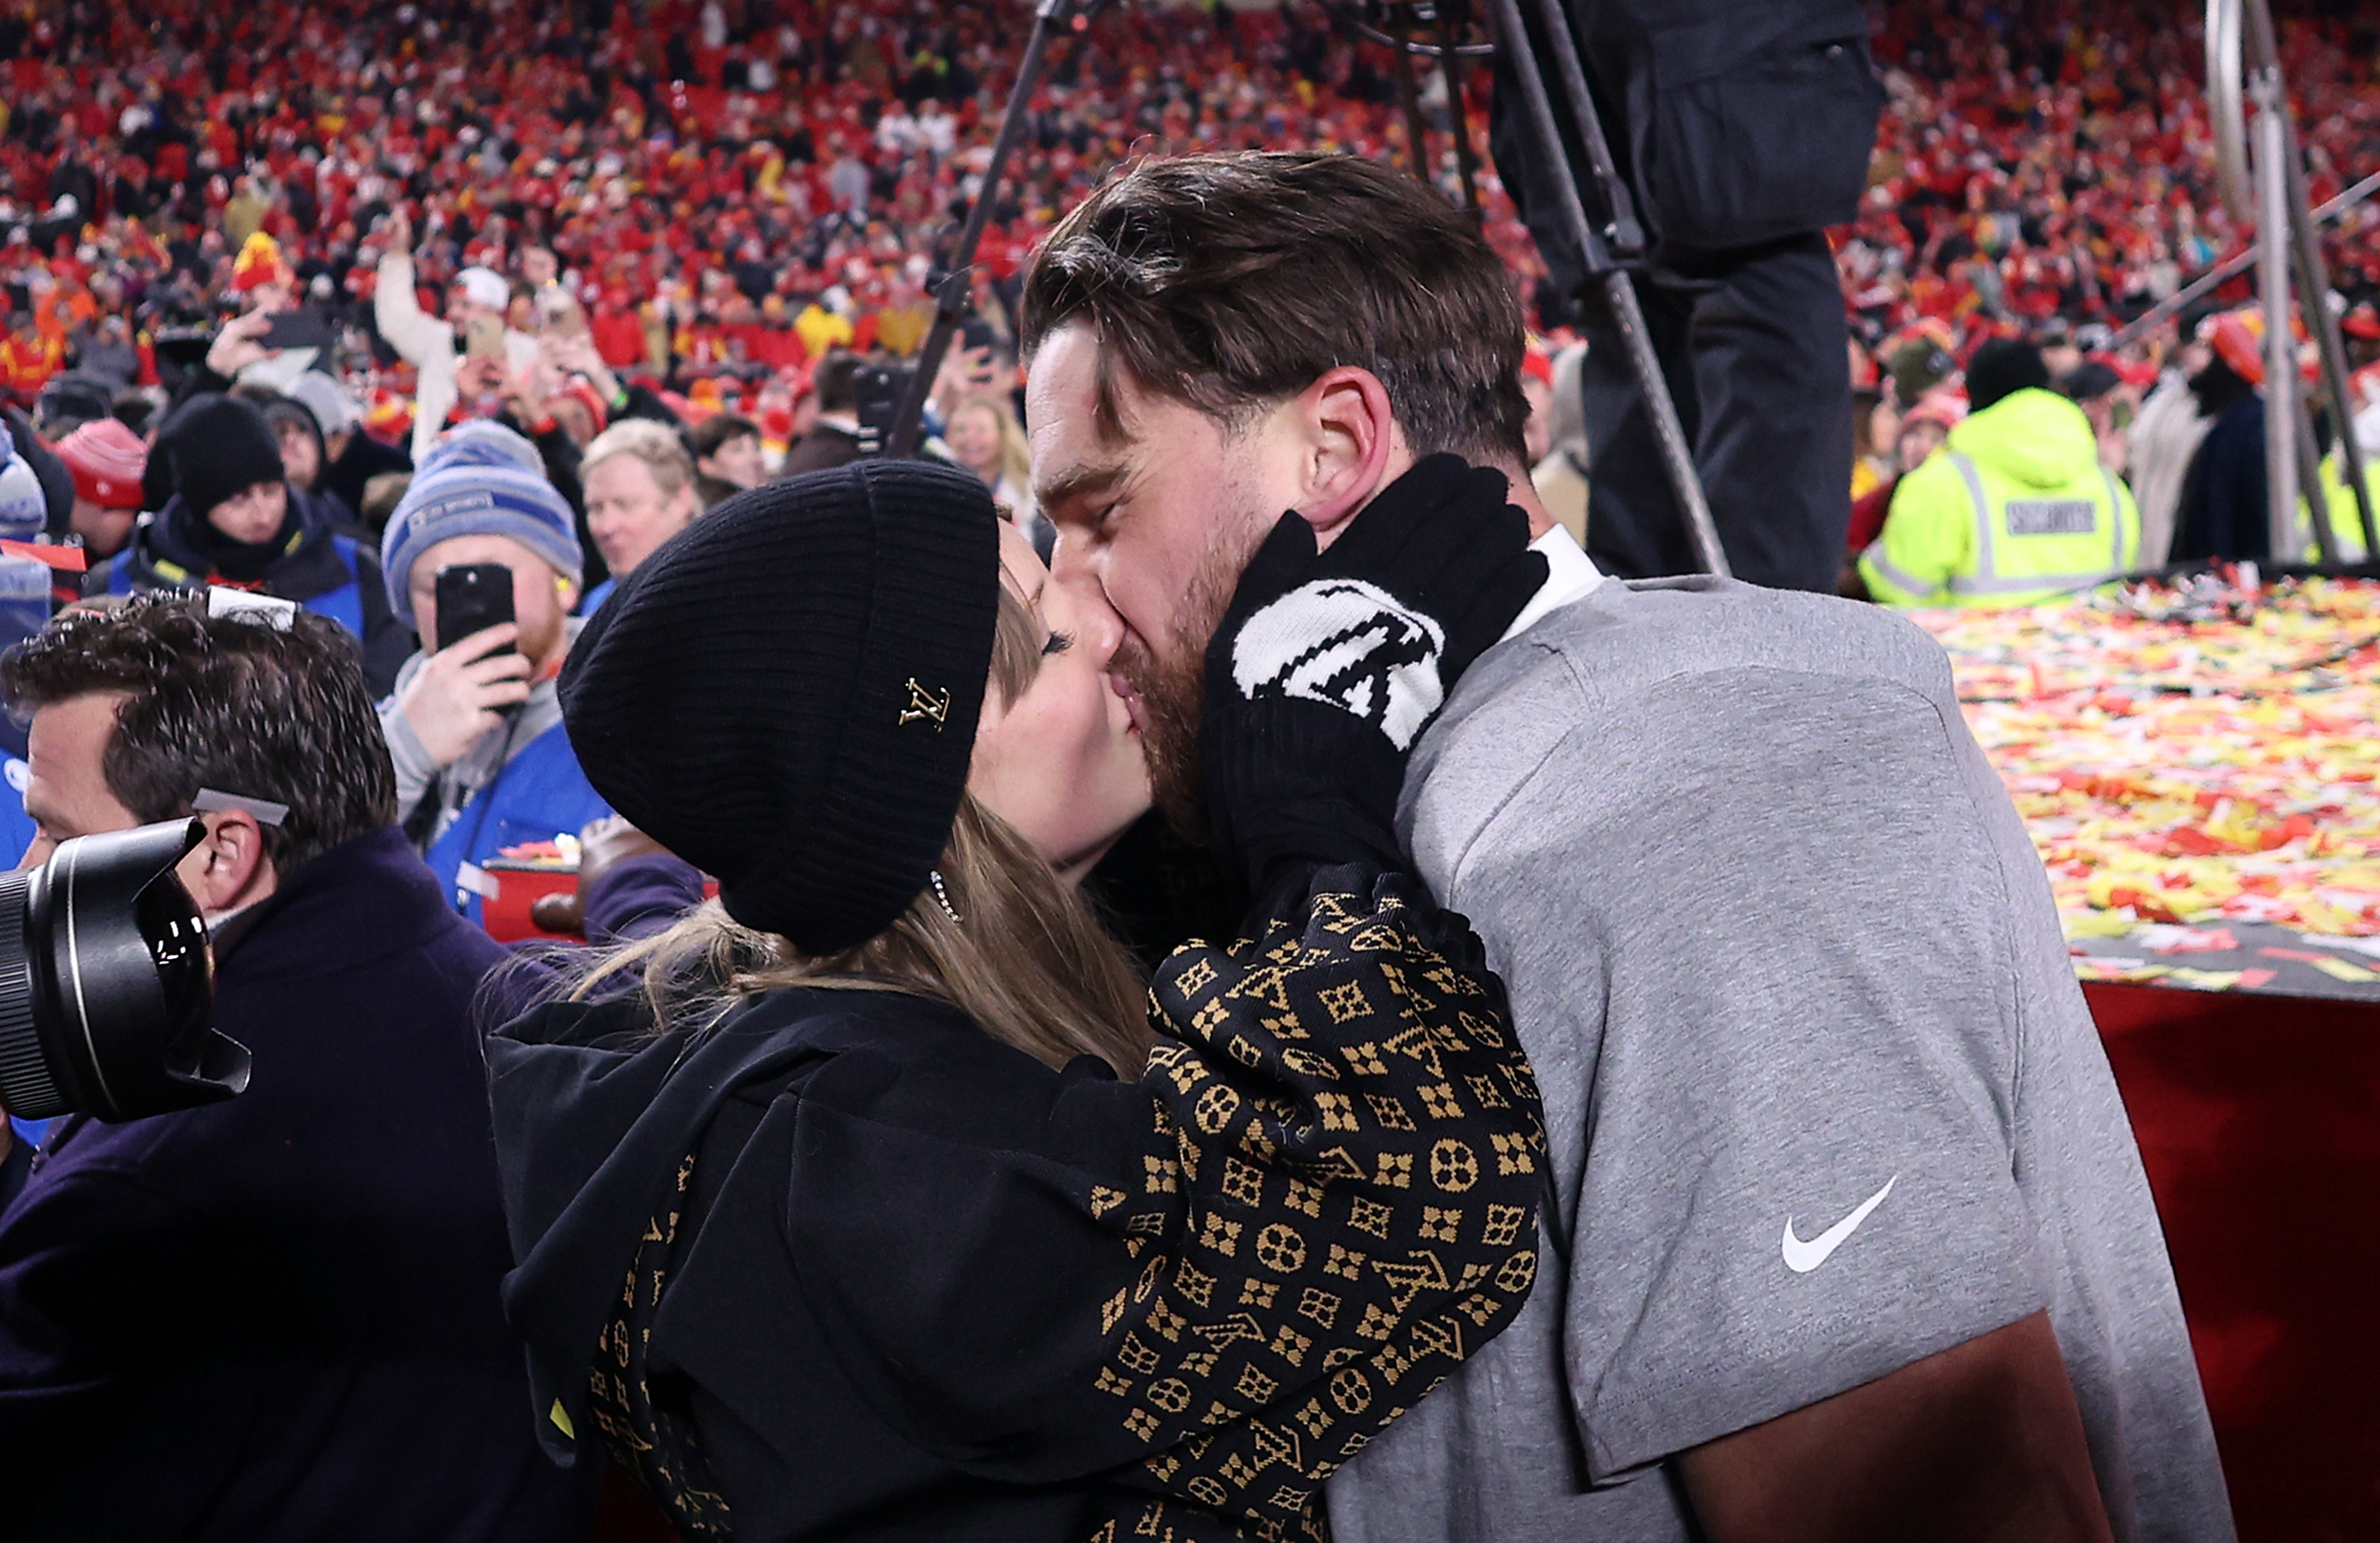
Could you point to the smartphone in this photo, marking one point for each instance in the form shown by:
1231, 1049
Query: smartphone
560, 315
483, 337
306, 327
473, 597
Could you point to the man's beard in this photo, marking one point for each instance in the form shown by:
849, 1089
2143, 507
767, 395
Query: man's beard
1173, 693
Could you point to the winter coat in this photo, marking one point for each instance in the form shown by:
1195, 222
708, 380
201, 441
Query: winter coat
887, 1278
277, 1317
330, 574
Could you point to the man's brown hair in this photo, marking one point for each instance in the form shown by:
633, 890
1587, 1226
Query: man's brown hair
217, 702
1229, 283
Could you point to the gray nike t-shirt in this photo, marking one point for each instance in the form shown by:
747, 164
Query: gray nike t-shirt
1823, 1095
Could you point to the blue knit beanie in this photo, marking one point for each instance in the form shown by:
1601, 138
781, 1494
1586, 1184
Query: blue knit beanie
481, 441
476, 494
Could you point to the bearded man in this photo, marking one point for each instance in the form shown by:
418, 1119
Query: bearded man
1848, 1235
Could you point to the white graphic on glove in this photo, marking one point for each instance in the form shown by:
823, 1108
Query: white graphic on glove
1349, 645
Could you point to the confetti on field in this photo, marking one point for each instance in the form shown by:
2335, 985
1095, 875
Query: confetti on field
2185, 774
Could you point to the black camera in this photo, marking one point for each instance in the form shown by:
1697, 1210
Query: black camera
882, 388
106, 987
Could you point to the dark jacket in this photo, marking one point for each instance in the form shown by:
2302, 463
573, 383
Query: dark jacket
891, 1278
323, 569
2221, 514
820, 450
277, 1317
1732, 122
360, 460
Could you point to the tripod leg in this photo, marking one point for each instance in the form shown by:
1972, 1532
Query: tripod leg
1417, 130
1677, 458
1458, 118
2313, 279
2326, 541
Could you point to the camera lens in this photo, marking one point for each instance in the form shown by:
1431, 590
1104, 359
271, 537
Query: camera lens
106, 985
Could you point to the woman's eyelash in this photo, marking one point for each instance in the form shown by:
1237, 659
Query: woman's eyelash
1059, 643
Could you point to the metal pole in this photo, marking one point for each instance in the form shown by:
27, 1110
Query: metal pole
1677, 461
2314, 280
954, 295
1625, 232
1458, 114
2230, 268
1417, 130
2280, 351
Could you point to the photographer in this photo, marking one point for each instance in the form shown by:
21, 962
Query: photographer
267, 1318
482, 762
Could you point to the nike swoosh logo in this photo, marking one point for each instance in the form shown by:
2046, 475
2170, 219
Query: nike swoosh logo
1802, 1257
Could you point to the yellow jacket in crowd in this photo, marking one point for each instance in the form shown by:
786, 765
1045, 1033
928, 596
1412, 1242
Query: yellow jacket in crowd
2014, 509
2346, 520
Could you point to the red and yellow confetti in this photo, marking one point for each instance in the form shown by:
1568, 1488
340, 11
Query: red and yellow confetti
2220, 768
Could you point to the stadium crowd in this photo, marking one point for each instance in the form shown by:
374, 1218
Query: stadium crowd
498, 384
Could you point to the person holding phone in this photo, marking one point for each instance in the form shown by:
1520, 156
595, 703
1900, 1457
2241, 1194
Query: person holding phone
482, 560
433, 346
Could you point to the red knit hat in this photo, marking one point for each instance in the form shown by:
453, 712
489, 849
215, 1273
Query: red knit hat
107, 460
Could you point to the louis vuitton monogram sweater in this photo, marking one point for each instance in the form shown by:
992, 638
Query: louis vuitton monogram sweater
844, 1266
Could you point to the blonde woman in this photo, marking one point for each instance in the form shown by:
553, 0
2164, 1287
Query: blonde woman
889, 1209
985, 437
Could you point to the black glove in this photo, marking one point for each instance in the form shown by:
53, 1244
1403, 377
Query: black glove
1328, 666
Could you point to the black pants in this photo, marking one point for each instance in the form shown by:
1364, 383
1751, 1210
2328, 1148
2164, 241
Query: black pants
1756, 351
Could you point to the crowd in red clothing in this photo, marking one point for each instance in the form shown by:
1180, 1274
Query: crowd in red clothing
734, 187
2053, 159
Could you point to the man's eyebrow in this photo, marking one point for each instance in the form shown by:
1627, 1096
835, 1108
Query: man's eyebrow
1077, 482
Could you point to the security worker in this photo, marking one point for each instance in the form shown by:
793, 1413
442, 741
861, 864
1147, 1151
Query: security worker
2014, 509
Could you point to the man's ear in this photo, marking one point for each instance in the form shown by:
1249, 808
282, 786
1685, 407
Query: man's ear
1349, 446
229, 868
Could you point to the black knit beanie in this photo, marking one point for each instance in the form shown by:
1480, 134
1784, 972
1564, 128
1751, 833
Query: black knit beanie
220, 446
2001, 368
786, 694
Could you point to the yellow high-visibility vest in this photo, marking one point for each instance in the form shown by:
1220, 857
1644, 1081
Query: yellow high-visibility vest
2014, 509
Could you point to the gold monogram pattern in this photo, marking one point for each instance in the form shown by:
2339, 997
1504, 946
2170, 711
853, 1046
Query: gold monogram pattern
654, 1443
1357, 1152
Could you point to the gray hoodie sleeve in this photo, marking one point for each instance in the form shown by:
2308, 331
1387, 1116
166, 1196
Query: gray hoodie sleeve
415, 770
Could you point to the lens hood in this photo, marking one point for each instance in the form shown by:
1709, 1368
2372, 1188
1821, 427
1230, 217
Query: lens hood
106, 987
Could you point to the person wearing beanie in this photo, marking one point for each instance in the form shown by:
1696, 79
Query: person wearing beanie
2016, 510
2222, 512
2002, 367
352, 457
107, 461
475, 728
300, 439
231, 518
1074, 1257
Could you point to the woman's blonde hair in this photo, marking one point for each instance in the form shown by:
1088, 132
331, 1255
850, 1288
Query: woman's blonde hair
1016, 450
1025, 956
